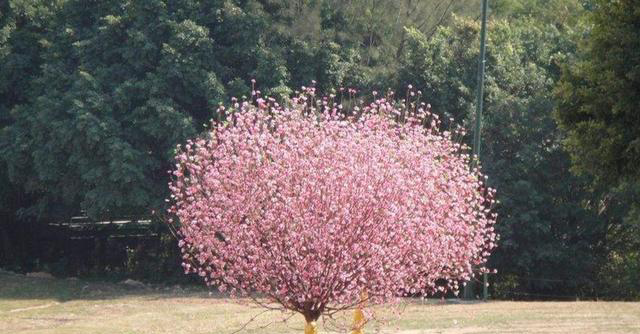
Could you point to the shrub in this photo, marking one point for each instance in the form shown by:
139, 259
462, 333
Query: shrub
313, 206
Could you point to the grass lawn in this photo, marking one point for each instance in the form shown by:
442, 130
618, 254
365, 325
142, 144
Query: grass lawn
40, 305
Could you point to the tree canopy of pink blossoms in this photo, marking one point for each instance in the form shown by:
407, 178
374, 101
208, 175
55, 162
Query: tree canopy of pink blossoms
308, 206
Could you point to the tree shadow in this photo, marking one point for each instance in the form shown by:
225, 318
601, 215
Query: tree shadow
21, 287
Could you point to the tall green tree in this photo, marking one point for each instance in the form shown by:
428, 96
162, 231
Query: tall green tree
22, 25
550, 241
599, 97
115, 86
120, 85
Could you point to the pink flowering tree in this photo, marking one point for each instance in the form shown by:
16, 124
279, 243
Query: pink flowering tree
312, 208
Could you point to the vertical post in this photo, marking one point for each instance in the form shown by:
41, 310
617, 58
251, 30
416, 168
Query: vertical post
485, 287
468, 289
480, 92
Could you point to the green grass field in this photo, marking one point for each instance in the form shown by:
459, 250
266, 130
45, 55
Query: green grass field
38, 305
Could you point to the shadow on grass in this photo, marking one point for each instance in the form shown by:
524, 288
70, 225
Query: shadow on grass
17, 287
21, 287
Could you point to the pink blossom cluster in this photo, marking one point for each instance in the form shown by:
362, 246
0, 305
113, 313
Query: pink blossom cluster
311, 205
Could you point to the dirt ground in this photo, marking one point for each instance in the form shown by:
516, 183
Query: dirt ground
55, 306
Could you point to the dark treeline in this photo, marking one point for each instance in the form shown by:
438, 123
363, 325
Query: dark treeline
94, 96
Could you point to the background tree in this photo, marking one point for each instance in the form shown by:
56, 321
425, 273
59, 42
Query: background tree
22, 24
600, 94
551, 242
599, 97
120, 84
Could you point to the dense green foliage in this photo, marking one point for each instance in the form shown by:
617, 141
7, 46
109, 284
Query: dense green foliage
96, 97
546, 231
599, 97
93, 99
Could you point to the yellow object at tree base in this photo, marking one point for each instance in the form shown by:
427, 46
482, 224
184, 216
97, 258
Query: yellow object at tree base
358, 315
311, 328
358, 321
